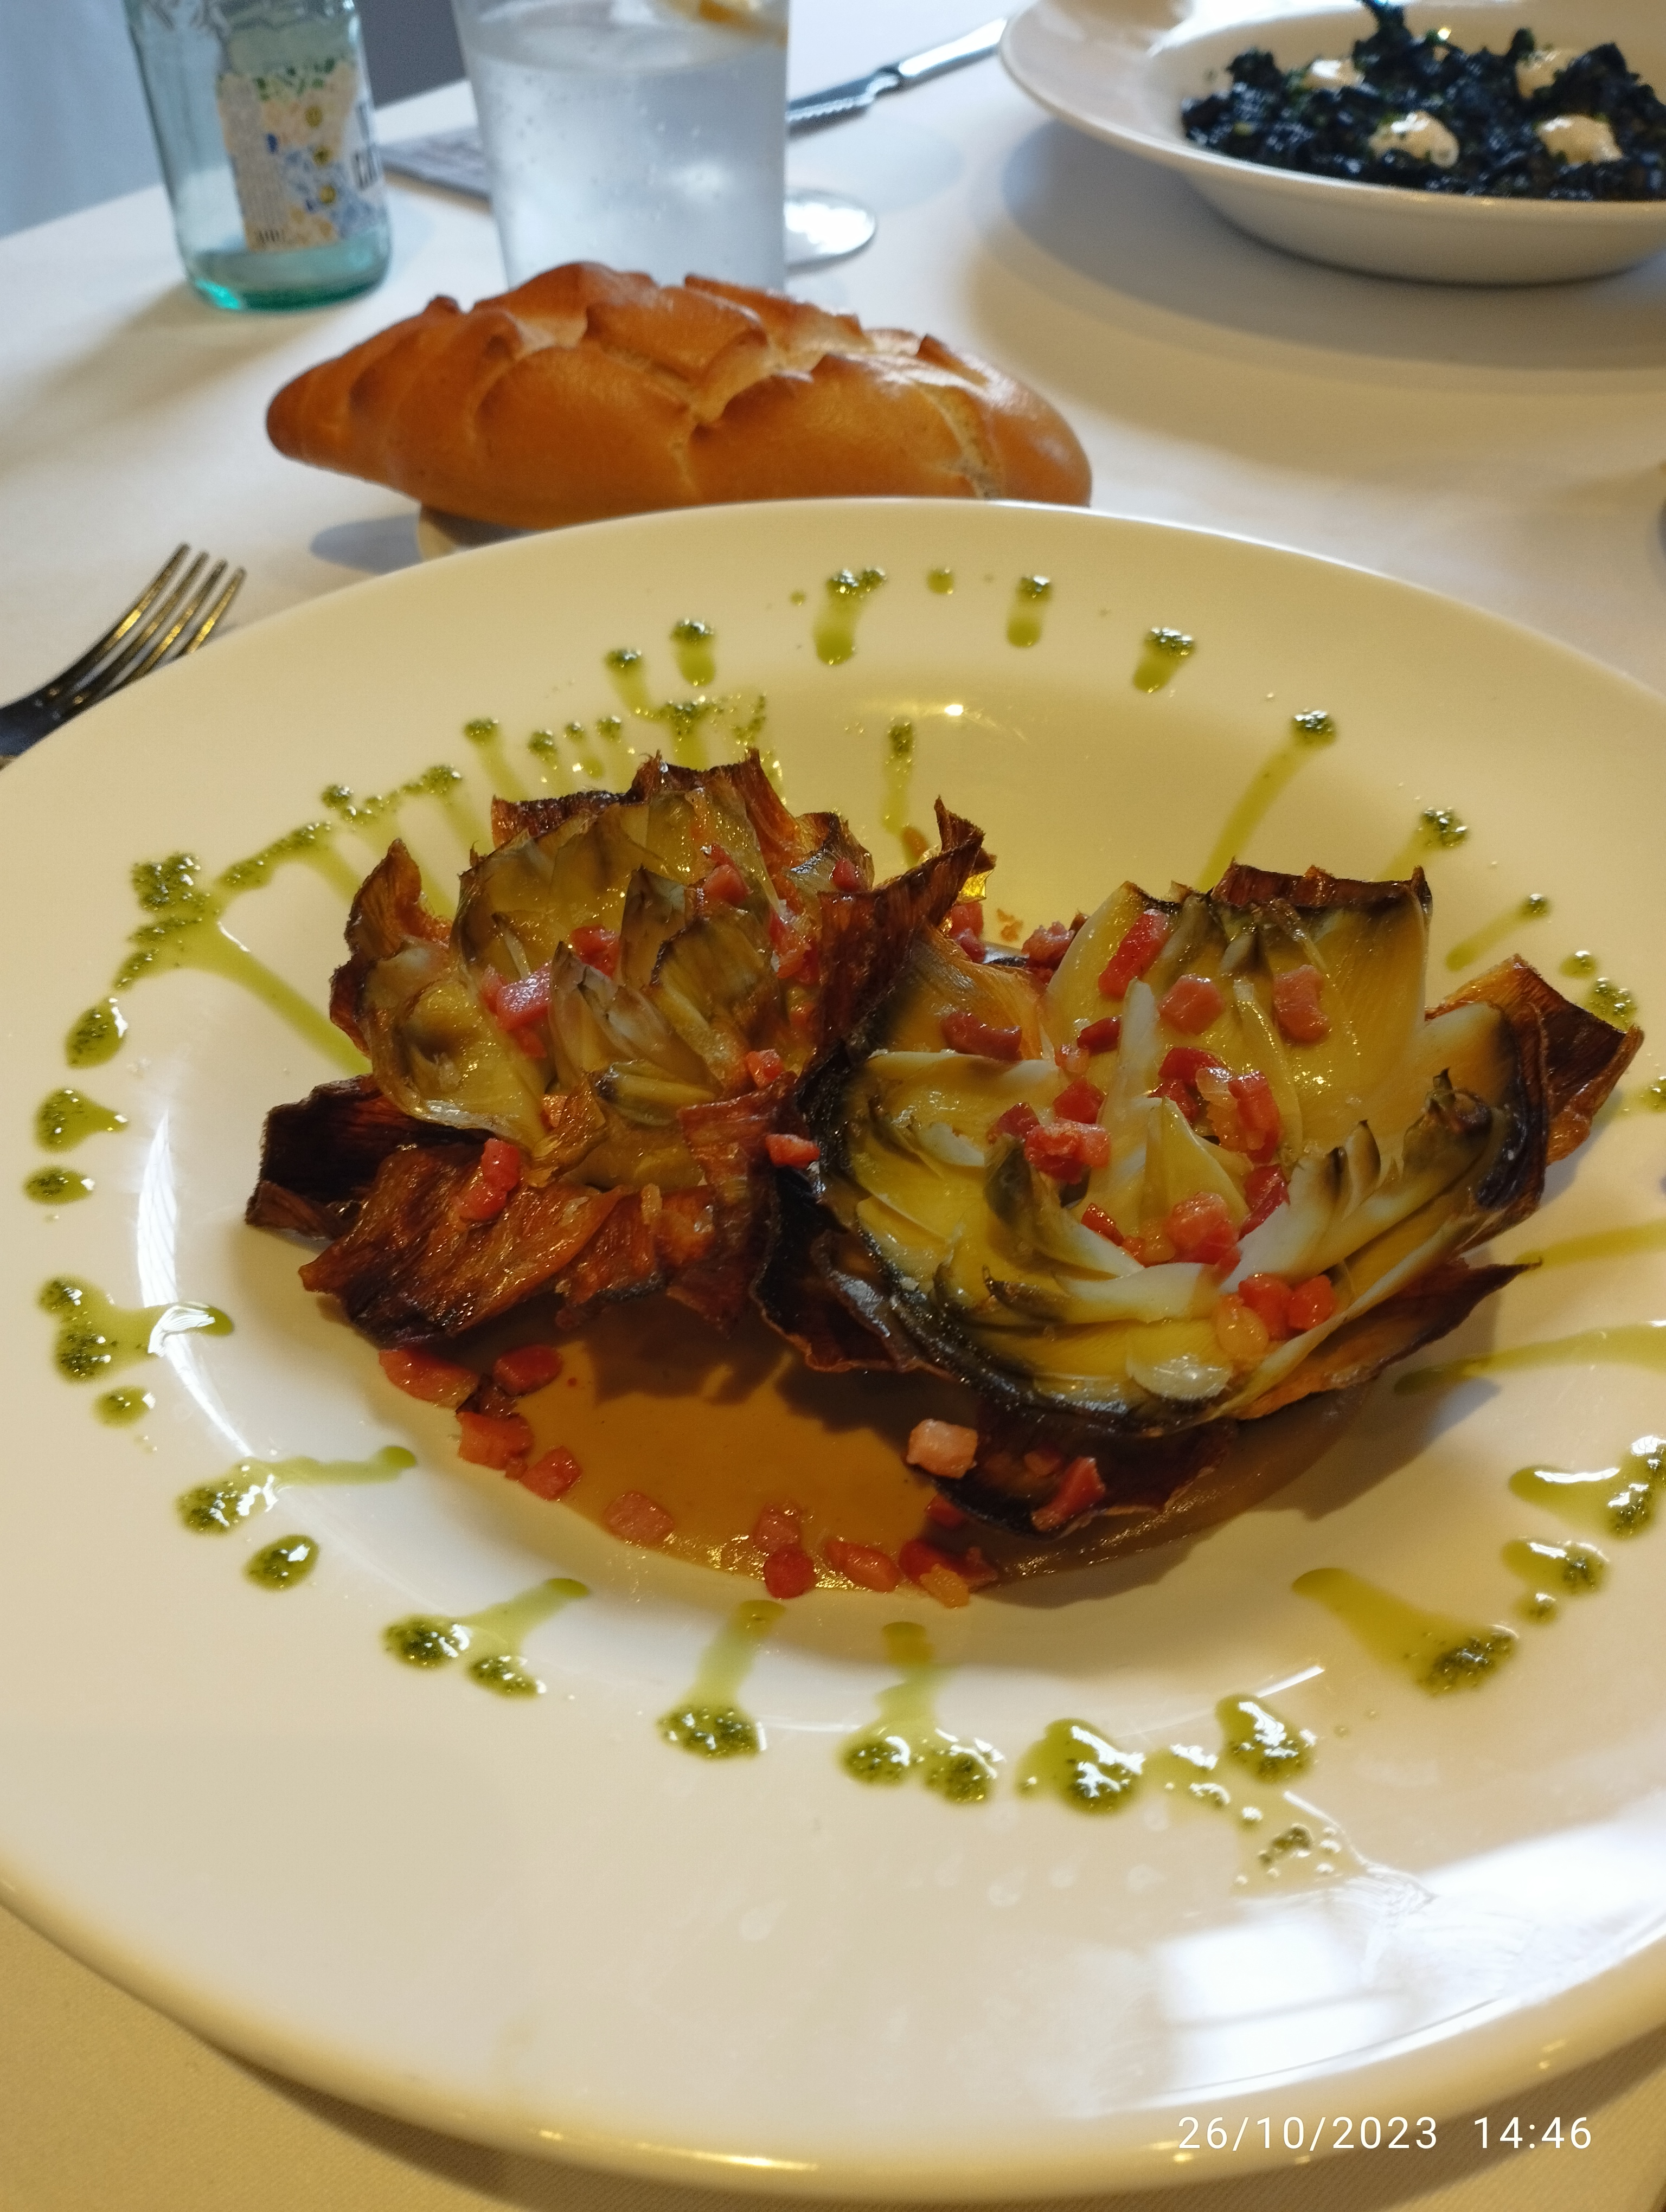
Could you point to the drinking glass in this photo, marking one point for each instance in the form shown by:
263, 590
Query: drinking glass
644, 134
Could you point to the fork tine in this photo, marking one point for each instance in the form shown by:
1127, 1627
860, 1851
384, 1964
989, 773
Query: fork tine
210, 621
121, 669
68, 678
180, 617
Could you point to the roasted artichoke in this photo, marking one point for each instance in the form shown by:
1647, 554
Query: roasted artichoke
1219, 1159
1167, 1170
622, 1008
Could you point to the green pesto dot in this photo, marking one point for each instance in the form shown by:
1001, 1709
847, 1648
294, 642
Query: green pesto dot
1467, 1665
480, 729
426, 1640
1443, 827
1535, 904
117, 1408
1612, 1001
214, 1508
62, 1120
503, 1674
97, 1035
1314, 728
283, 1565
711, 1731
962, 1774
57, 1186
882, 1759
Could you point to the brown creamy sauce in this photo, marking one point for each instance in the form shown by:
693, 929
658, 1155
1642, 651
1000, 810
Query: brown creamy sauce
716, 1428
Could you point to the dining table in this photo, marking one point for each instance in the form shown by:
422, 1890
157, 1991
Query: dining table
1505, 447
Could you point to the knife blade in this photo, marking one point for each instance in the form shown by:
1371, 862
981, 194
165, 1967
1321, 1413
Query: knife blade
456, 159
813, 109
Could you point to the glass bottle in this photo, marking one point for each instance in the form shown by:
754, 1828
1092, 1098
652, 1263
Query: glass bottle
263, 118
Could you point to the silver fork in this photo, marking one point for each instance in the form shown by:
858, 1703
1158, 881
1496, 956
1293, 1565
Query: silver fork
173, 616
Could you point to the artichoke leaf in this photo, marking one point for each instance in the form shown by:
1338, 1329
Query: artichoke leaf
1072, 997
1180, 1165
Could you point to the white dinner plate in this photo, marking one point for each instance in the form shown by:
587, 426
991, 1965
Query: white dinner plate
1120, 69
535, 1922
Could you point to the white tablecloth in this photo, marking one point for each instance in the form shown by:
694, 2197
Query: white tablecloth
1505, 447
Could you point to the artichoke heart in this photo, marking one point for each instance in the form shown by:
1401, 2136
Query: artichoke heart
633, 988
1219, 1157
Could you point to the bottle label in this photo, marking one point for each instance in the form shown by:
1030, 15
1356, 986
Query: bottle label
303, 153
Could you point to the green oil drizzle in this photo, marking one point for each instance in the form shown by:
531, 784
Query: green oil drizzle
1024, 623
95, 1036
905, 1739
899, 777
187, 931
1610, 1501
373, 817
95, 1337
1439, 829
1260, 1741
683, 719
118, 1409
693, 643
212, 1509
709, 1722
1651, 1097
628, 679
1579, 963
1552, 1571
1438, 1652
1075, 1763
1160, 656
1602, 1244
1612, 1001
941, 581
57, 1186
1628, 1344
312, 844
66, 1119
284, 1564
1308, 733
834, 633
1533, 908
486, 738
493, 1636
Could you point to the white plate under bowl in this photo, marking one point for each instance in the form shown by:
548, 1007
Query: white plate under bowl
1120, 69
535, 1922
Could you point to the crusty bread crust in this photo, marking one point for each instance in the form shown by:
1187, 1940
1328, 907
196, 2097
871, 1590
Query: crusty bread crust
587, 392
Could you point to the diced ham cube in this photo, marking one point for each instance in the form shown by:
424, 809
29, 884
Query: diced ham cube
636, 1518
420, 1375
942, 1448
493, 1439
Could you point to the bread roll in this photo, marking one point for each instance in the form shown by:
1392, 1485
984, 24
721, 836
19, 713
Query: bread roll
586, 392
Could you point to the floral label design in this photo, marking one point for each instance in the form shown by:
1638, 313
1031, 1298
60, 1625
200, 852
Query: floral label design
303, 153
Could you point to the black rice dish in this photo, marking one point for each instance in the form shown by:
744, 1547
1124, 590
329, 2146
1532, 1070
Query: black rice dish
1421, 112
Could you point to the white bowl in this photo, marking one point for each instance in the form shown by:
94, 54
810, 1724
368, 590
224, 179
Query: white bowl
1120, 69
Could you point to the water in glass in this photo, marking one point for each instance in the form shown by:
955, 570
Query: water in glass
646, 134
